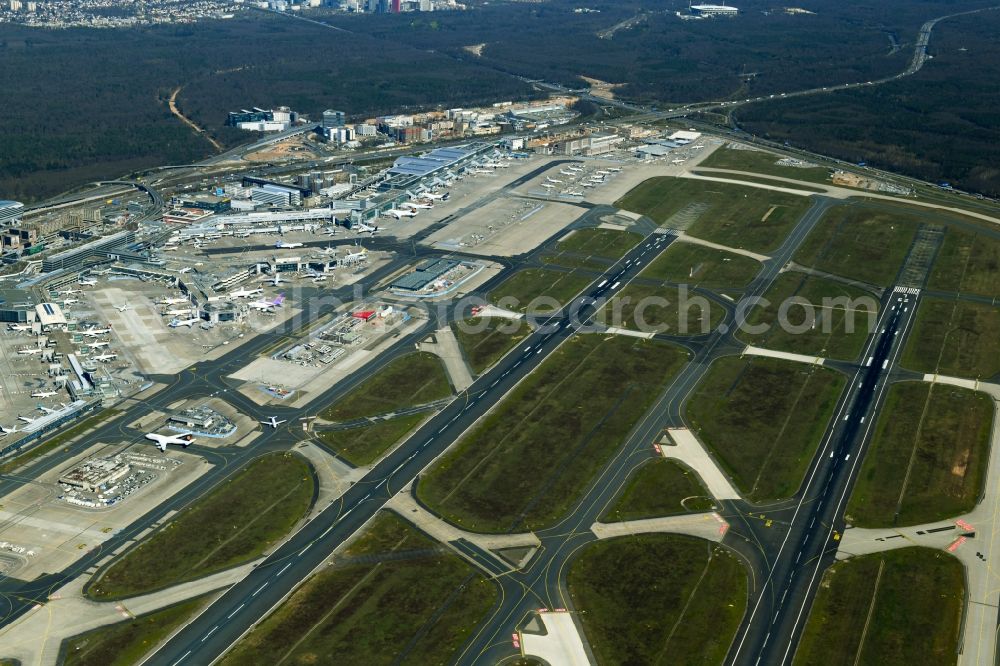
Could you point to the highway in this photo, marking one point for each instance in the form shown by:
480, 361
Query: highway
226, 620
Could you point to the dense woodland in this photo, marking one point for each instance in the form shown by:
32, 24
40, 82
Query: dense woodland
82, 104
942, 124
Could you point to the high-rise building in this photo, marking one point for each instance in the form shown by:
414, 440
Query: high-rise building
333, 119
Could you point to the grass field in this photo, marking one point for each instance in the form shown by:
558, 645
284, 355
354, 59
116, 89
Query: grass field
518, 292
125, 643
661, 487
664, 309
529, 459
394, 597
897, 608
485, 341
928, 458
859, 243
841, 314
968, 263
764, 418
658, 599
57, 440
697, 265
607, 243
236, 522
763, 180
735, 215
762, 162
406, 381
364, 445
956, 338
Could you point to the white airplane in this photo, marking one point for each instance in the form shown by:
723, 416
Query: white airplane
26, 419
548, 186
602, 172
123, 307
4, 431
94, 332
273, 421
98, 344
328, 251
267, 305
416, 205
70, 301
284, 245
172, 300
163, 440
70, 292
187, 269
104, 358
555, 181
184, 322
30, 352
574, 193
177, 313
276, 280
400, 214
575, 169
617, 169
434, 196
19, 327
47, 410
698, 147
319, 278
354, 257
677, 161
367, 228
567, 173
44, 394
242, 292
87, 283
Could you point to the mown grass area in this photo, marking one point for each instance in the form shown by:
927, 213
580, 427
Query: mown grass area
658, 598
530, 458
663, 309
485, 340
955, 338
928, 459
860, 243
394, 597
236, 522
57, 440
409, 380
896, 608
967, 262
834, 320
763, 162
364, 445
762, 180
661, 487
543, 290
697, 265
126, 643
764, 418
607, 243
735, 215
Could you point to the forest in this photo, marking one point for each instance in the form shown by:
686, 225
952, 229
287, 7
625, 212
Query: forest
85, 104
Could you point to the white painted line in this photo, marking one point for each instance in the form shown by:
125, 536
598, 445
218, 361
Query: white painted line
211, 631
309, 545
283, 569
238, 609
183, 657
257, 591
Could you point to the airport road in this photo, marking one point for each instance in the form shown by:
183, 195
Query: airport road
236, 611
770, 630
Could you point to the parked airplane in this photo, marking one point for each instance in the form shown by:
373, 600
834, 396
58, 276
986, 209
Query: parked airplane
286, 245
94, 332
163, 440
4, 431
328, 251
575, 169
177, 313
354, 257
267, 305
26, 419
244, 293
434, 196
416, 205
184, 322
553, 180
19, 327
319, 278
44, 394
400, 214
70, 301
617, 169
47, 410
547, 186
103, 358
172, 300
87, 283
567, 173
273, 421
123, 307
367, 228
276, 280
574, 193
98, 344
187, 269
30, 352
70, 292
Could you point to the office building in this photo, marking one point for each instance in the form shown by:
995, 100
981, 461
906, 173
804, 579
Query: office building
714, 10
10, 211
333, 119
